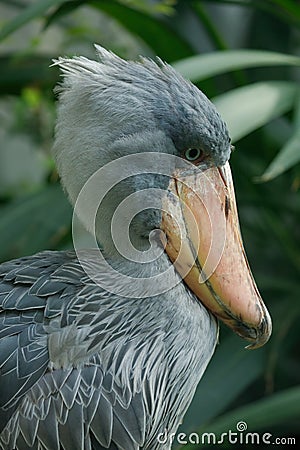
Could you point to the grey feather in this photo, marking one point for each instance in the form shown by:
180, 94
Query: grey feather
102, 422
111, 396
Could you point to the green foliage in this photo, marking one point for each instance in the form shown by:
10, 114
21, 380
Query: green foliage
260, 415
51, 224
255, 86
34, 10
199, 67
249, 107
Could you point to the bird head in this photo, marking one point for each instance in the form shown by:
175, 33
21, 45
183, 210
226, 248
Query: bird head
172, 145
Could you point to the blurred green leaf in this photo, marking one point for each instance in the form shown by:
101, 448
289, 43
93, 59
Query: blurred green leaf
285, 10
35, 222
283, 235
247, 108
19, 72
156, 33
288, 156
207, 65
210, 27
289, 7
163, 6
33, 11
261, 415
153, 31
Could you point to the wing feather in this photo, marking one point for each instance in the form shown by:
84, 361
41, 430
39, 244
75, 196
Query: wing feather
102, 422
83, 406
72, 432
29, 426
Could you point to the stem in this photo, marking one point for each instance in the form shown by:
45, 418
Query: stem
210, 28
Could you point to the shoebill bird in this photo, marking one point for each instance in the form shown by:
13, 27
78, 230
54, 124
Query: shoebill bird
96, 362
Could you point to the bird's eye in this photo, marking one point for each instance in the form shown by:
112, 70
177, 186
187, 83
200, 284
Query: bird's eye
193, 155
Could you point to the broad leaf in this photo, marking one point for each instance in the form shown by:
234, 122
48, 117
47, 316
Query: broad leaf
262, 414
288, 156
34, 10
207, 65
36, 222
151, 29
247, 108
275, 410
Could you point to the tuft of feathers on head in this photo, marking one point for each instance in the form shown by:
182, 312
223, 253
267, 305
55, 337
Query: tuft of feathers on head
112, 66
143, 94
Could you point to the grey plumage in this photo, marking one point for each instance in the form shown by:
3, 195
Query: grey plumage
81, 368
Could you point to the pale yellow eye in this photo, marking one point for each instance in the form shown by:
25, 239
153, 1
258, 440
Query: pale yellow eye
193, 155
